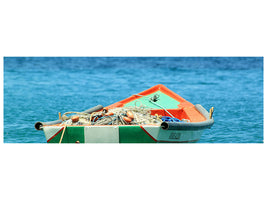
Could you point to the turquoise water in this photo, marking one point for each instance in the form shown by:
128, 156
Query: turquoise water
37, 88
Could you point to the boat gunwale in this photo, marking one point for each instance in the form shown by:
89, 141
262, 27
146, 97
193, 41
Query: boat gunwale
154, 89
164, 125
191, 125
99, 125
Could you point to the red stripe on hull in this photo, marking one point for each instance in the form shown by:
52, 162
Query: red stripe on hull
148, 134
55, 135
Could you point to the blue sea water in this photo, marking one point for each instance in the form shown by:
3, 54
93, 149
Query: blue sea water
37, 88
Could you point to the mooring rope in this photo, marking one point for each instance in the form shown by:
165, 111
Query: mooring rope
62, 134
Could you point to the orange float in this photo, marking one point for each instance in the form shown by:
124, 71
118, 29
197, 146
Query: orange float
109, 114
75, 118
130, 114
127, 119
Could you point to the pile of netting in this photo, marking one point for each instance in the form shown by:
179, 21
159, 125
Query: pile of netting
116, 116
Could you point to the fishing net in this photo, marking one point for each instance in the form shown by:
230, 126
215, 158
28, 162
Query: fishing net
136, 115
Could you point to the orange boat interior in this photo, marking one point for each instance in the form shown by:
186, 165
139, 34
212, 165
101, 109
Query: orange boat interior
167, 100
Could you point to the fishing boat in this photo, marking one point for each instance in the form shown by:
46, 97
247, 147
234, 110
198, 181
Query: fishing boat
156, 115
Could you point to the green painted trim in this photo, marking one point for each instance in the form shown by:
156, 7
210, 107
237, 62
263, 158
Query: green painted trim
75, 133
164, 100
71, 135
133, 134
56, 138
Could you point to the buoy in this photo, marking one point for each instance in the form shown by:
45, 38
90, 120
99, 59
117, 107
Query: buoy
75, 118
130, 114
109, 114
127, 119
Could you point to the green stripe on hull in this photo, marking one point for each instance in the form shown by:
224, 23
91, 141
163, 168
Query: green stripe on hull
120, 134
75, 134
71, 135
56, 138
134, 134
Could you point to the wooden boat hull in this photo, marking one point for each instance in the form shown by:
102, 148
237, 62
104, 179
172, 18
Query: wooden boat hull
165, 102
119, 134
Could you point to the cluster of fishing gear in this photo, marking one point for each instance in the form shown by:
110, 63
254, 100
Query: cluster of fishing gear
116, 116
132, 115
